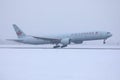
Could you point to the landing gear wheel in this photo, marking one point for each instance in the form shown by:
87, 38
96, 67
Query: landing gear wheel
104, 42
56, 46
63, 46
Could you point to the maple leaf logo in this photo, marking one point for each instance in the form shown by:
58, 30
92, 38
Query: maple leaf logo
19, 33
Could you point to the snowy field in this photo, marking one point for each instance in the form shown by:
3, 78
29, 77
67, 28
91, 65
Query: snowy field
59, 64
73, 46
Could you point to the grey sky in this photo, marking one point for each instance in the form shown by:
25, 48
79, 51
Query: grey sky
37, 17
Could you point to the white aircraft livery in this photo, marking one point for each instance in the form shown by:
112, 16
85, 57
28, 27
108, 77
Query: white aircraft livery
60, 40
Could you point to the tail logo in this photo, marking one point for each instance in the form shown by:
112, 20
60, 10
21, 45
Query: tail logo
19, 33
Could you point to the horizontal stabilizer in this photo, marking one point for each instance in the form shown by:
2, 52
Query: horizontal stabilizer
17, 40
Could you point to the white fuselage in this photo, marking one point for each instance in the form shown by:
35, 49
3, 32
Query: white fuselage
75, 37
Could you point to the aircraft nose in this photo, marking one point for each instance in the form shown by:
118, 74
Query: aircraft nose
109, 34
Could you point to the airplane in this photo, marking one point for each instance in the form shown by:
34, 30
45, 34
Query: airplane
60, 40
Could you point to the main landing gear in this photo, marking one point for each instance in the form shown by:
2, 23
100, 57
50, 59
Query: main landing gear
63, 46
57, 46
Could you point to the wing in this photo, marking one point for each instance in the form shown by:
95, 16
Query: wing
52, 40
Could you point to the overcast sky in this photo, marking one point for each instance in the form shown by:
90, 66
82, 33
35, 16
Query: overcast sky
38, 17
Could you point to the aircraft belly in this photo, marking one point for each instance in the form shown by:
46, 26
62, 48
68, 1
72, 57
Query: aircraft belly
41, 42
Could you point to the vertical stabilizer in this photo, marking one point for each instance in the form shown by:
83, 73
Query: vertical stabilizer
18, 31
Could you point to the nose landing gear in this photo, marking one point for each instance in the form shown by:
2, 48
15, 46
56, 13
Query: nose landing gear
104, 41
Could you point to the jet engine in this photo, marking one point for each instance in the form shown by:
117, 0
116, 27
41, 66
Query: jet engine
65, 41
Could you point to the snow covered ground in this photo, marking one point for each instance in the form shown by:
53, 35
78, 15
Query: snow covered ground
73, 46
59, 64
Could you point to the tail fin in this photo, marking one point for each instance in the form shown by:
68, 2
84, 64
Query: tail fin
18, 31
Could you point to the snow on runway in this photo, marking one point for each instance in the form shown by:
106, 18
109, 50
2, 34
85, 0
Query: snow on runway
107, 47
59, 64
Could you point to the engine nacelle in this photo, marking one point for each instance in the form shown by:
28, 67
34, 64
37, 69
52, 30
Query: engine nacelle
65, 41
